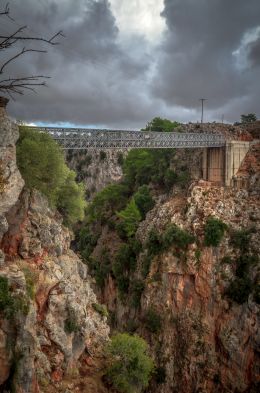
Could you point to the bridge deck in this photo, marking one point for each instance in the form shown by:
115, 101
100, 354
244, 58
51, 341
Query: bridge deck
82, 138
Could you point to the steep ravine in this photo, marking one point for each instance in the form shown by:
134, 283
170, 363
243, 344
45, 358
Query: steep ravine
202, 340
51, 337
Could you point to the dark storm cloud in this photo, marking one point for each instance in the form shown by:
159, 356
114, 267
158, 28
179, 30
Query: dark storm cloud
254, 53
93, 79
199, 59
209, 49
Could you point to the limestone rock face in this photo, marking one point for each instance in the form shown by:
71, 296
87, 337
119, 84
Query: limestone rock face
11, 182
206, 343
50, 334
96, 169
59, 324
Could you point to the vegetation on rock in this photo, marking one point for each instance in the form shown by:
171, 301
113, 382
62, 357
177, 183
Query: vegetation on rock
130, 367
214, 231
161, 125
43, 167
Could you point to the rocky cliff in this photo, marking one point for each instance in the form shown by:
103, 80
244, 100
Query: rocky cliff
51, 335
96, 168
203, 337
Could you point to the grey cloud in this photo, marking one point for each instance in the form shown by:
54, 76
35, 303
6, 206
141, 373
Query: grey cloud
100, 78
197, 54
94, 79
254, 53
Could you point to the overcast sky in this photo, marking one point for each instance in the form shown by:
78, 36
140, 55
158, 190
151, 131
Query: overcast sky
124, 62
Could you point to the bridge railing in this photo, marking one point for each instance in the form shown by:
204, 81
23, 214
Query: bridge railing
76, 138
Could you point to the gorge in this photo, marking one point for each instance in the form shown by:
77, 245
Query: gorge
174, 258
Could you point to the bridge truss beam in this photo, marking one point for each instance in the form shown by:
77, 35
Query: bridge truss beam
80, 139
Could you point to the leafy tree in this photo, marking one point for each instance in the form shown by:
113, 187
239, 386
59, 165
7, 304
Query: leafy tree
130, 366
214, 231
249, 118
43, 167
160, 125
107, 201
130, 217
41, 163
144, 166
71, 199
143, 200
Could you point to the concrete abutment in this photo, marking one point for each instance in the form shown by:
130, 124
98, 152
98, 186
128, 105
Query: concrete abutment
221, 164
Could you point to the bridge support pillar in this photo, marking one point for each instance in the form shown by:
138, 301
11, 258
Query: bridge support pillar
214, 164
220, 164
235, 154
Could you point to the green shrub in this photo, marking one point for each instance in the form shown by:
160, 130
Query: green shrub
143, 200
214, 231
146, 264
153, 321
130, 366
137, 287
161, 125
101, 309
144, 166
130, 218
70, 323
154, 243
100, 268
125, 261
71, 200
170, 179
87, 241
43, 167
175, 236
241, 287
10, 303
106, 202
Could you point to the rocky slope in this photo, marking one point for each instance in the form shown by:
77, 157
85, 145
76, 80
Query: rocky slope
50, 334
96, 168
203, 341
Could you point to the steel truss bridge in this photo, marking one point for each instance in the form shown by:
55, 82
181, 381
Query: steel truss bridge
84, 138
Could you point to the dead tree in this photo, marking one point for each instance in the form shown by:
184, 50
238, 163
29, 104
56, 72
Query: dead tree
19, 84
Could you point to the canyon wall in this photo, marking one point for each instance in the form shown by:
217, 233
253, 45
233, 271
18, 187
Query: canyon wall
51, 336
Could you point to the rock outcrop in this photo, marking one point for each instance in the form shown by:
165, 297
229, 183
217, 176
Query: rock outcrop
96, 168
51, 336
206, 342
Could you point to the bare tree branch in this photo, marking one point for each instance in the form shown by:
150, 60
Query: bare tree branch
6, 10
18, 84
19, 54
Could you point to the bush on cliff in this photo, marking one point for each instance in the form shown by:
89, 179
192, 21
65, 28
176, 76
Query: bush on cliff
143, 200
214, 231
130, 218
43, 167
130, 366
175, 236
106, 202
